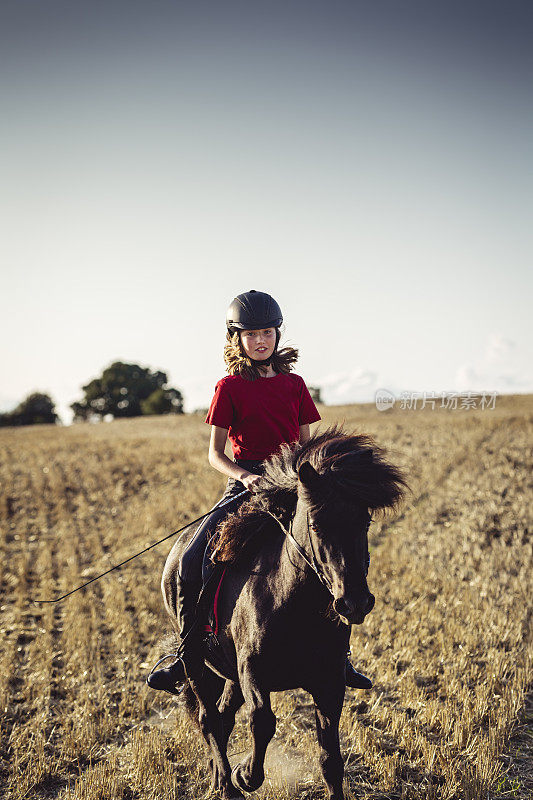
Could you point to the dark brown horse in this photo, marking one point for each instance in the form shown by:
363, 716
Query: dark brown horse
286, 604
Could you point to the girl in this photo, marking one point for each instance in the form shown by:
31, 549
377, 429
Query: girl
258, 406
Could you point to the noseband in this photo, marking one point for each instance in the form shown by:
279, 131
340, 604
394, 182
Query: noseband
314, 564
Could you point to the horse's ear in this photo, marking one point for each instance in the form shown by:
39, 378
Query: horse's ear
308, 475
357, 456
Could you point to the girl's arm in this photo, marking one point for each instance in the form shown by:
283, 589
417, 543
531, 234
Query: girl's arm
304, 433
219, 460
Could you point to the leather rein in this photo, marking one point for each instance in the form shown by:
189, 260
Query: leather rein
314, 564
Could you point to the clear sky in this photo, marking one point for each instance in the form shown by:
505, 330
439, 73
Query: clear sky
369, 164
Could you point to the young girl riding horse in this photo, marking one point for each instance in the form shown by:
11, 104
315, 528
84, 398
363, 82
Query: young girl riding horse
259, 406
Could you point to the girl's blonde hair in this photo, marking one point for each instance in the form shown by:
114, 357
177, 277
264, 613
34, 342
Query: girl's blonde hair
238, 363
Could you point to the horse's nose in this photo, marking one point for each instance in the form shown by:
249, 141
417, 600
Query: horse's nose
366, 605
354, 611
344, 607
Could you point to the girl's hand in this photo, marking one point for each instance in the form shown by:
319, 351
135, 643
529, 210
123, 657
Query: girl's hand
250, 480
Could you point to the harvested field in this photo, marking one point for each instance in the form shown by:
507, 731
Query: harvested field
449, 643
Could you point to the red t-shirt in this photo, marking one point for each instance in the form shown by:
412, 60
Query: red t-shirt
261, 414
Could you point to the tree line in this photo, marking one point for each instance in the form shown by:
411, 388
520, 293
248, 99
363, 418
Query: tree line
122, 390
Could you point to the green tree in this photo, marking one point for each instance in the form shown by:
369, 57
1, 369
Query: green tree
121, 390
163, 401
315, 393
36, 409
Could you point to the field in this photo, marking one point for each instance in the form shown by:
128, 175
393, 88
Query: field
449, 644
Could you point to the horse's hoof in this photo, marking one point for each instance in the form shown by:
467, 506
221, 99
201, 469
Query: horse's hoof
225, 792
236, 779
239, 782
233, 794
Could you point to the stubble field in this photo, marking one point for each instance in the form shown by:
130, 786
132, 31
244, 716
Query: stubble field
449, 644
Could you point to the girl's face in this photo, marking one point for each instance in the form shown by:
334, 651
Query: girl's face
258, 344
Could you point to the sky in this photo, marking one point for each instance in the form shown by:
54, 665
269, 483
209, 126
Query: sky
368, 164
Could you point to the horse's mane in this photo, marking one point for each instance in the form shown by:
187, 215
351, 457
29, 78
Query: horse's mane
363, 477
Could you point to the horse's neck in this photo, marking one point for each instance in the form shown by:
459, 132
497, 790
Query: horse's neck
294, 573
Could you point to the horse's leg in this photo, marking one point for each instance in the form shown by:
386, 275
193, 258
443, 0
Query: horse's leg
250, 773
328, 707
211, 724
229, 703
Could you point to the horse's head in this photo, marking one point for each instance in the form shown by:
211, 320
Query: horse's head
335, 505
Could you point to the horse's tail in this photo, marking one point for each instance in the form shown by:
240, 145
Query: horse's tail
169, 642
214, 684
190, 703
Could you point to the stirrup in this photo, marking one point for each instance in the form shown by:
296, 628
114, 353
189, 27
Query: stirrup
175, 691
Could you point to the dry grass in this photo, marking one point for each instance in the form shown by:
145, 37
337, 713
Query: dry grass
449, 643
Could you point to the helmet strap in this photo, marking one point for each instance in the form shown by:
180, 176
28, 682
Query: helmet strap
262, 362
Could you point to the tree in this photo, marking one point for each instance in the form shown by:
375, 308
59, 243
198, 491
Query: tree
121, 391
163, 401
36, 409
315, 391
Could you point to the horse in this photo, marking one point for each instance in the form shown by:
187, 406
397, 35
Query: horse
295, 581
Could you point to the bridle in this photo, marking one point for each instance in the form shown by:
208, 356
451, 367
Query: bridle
314, 563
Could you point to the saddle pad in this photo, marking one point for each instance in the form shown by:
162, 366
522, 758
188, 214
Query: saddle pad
212, 624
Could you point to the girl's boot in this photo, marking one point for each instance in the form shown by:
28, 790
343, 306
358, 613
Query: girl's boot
354, 679
168, 677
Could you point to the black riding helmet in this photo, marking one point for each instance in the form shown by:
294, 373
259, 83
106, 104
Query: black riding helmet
253, 310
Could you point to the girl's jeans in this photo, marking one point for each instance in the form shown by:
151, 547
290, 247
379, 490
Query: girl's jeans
196, 565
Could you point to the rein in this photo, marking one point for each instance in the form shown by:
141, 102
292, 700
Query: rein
117, 566
314, 564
